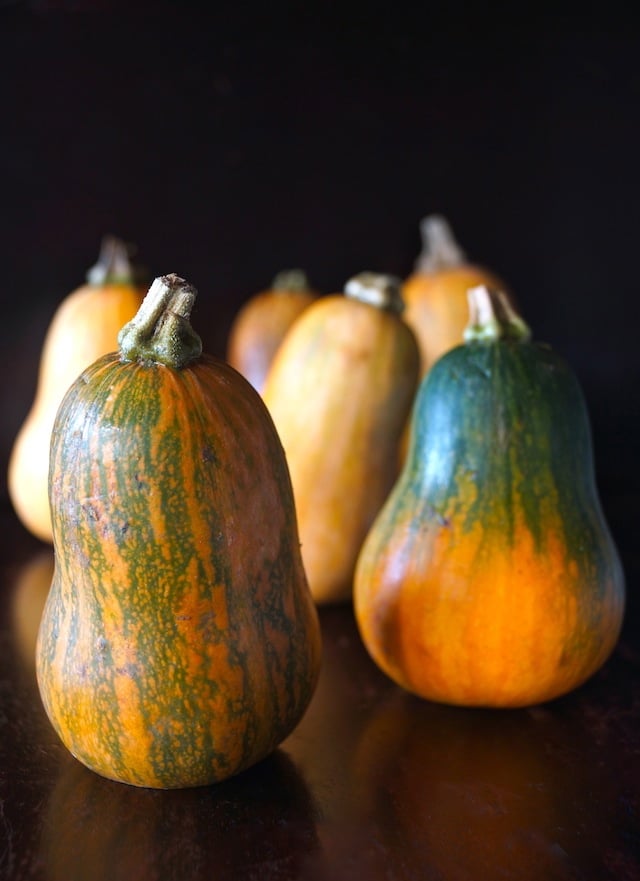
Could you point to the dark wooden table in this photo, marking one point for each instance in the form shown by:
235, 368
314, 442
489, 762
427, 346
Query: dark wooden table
373, 784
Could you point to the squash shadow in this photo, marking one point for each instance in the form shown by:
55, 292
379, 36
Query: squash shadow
259, 824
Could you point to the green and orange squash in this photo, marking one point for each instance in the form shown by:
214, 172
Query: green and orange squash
340, 390
179, 643
263, 321
84, 326
490, 577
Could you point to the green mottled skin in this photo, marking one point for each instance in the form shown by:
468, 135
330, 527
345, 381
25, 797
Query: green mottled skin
490, 576
509, 418
178, 577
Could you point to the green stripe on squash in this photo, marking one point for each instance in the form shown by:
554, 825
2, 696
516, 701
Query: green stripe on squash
179, 643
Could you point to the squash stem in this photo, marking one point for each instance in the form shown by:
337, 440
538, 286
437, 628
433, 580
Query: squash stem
376, 289
440, 250
160, 332
113, 265
492, 317
291, 280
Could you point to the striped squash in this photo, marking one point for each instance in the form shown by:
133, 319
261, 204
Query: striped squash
179, 643
490, 576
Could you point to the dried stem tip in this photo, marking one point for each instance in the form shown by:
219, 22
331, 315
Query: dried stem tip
160, 332
382, 291
440, 250
492, 317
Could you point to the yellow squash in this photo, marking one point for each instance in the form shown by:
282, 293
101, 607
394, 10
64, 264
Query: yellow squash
339, 390
261, 324
84, 327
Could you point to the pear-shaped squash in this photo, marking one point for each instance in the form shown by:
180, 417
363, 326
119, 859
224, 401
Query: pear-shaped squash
84, 327
490, 576
340, 390
435, 293
263, 321
179, 643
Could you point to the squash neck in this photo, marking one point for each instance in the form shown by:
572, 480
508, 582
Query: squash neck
113, 265
492, 318
440, 250
160, 332
291, 281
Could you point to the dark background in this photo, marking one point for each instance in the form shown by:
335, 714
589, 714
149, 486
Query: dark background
230, 145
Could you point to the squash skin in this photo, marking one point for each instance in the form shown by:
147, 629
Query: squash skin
490, 577
262, 323
340, 390
84, 327
179, 643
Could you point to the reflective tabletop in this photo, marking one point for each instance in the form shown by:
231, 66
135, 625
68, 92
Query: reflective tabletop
372, 784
